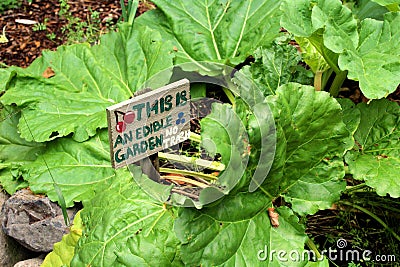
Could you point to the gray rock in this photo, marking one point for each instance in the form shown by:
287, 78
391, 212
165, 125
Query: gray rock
34, 221
10, 251
35, 262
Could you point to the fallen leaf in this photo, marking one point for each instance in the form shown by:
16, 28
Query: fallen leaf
48, 73
273, 217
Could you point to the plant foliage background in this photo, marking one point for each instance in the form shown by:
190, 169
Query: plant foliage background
53, 129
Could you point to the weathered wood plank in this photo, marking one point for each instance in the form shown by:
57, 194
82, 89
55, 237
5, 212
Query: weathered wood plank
149, 123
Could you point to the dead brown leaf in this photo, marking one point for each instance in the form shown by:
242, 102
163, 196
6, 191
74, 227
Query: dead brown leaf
48, 73
273, 217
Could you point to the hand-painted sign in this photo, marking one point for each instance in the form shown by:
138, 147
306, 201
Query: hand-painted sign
148, 123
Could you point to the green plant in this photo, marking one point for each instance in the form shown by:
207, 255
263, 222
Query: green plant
54, 128
51, 36
40, 26
78, 31
129, 10
9, 4
344, 47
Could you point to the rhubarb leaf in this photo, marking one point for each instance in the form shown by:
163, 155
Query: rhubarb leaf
221, 31
15, 152
311, 56
304, 17
222, 131
367, 51
375, 158
376, 61
126, 227
319, 188
273, 66
311, 137
79, 169
351, 114
240, 225
310, 133
369, 9
86, 81
386, 2
64, 250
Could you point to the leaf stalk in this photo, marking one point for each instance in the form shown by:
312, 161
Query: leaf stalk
375, 217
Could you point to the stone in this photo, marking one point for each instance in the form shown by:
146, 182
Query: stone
34, 221
10, 251
35, 262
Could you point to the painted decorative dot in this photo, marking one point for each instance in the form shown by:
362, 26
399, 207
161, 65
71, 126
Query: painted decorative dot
180, 118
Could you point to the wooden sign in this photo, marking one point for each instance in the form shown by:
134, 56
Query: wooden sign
148, 123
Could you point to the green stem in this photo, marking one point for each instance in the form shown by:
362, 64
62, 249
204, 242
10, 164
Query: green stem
318, 80
337, 83
208, 177
379, 220
353, 188
4, 165
383, 206
185, 180
313, 247
211, 165
325, 78
123, 10
195, 137
347, 170
133, 4
229, 94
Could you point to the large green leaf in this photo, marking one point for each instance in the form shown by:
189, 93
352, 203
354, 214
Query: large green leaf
369, 9
311, 55
386, 2
125, 227
368, 51
376, 61
64, 250
376, 156
87, 80
319, 188
240, 227
14, 151
351, 114
5, 77
310, 133
273, 66
311, 137
305, 17
215, 30
80, 169
222, 132
391, 5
